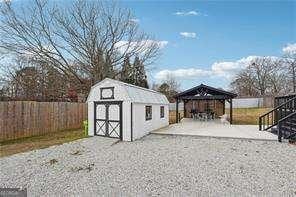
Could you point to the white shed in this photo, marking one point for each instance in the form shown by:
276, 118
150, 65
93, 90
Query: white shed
124, 111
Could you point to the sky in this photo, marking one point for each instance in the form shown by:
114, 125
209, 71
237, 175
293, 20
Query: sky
207, 40
210, 41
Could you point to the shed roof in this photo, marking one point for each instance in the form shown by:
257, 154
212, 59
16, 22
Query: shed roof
137, 94
205, 92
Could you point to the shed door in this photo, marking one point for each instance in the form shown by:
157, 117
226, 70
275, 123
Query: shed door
108, 119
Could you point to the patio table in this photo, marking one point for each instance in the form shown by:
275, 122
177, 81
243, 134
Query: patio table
203, 116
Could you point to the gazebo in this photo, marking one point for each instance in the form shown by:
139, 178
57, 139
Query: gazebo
204, 98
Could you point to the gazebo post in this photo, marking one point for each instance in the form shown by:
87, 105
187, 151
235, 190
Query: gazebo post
184, 108
223, 106
230, 102
177, 113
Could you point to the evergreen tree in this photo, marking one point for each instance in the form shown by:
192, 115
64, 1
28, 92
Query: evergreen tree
127, 71
145, 83
139, 73
134, 73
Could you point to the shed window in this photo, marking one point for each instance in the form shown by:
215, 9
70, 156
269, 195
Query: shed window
161, 111
148, 111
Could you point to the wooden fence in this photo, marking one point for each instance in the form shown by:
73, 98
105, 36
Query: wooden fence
20, 119
172, 116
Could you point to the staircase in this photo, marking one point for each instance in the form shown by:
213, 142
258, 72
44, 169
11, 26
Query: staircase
282, 119
287, 127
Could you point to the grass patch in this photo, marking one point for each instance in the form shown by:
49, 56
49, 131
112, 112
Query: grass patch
247, 115
37, 142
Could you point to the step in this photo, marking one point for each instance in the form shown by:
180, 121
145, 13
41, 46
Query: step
289, 123
274, 130
286, 134
292, 136
287, 128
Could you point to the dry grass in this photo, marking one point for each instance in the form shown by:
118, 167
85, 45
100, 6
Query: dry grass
247, 115
38, 142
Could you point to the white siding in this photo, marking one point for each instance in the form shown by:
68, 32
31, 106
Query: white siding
119, 93
124, 91
141, 126
140, 97
126, 121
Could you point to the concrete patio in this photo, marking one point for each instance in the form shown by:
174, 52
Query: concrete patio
214, 128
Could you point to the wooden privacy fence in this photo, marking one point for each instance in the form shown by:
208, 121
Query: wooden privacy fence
172, 116
20, 119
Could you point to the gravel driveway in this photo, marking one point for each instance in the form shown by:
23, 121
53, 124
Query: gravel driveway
155, 165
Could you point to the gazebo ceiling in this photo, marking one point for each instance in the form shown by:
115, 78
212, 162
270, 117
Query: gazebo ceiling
204, 92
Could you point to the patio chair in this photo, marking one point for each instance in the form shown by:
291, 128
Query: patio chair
210, 114
224, 119
199, 116
203, 116
194, 113
213, 115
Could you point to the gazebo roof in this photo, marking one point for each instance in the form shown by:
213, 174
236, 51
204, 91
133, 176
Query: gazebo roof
204, 92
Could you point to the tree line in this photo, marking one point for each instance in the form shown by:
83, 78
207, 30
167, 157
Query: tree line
55, 53
267, 76
50, 52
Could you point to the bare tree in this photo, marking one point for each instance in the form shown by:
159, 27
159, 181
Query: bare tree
26, 79
262, 76
259, 69
89, 39
19, 78
169, 87
173, 83
277, 80
290, 62
244, 85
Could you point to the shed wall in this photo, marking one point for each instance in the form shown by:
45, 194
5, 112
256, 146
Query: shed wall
141, 127
120, 93
126, 121
128, 94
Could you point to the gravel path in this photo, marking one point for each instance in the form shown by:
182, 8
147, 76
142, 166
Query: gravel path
155, 165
